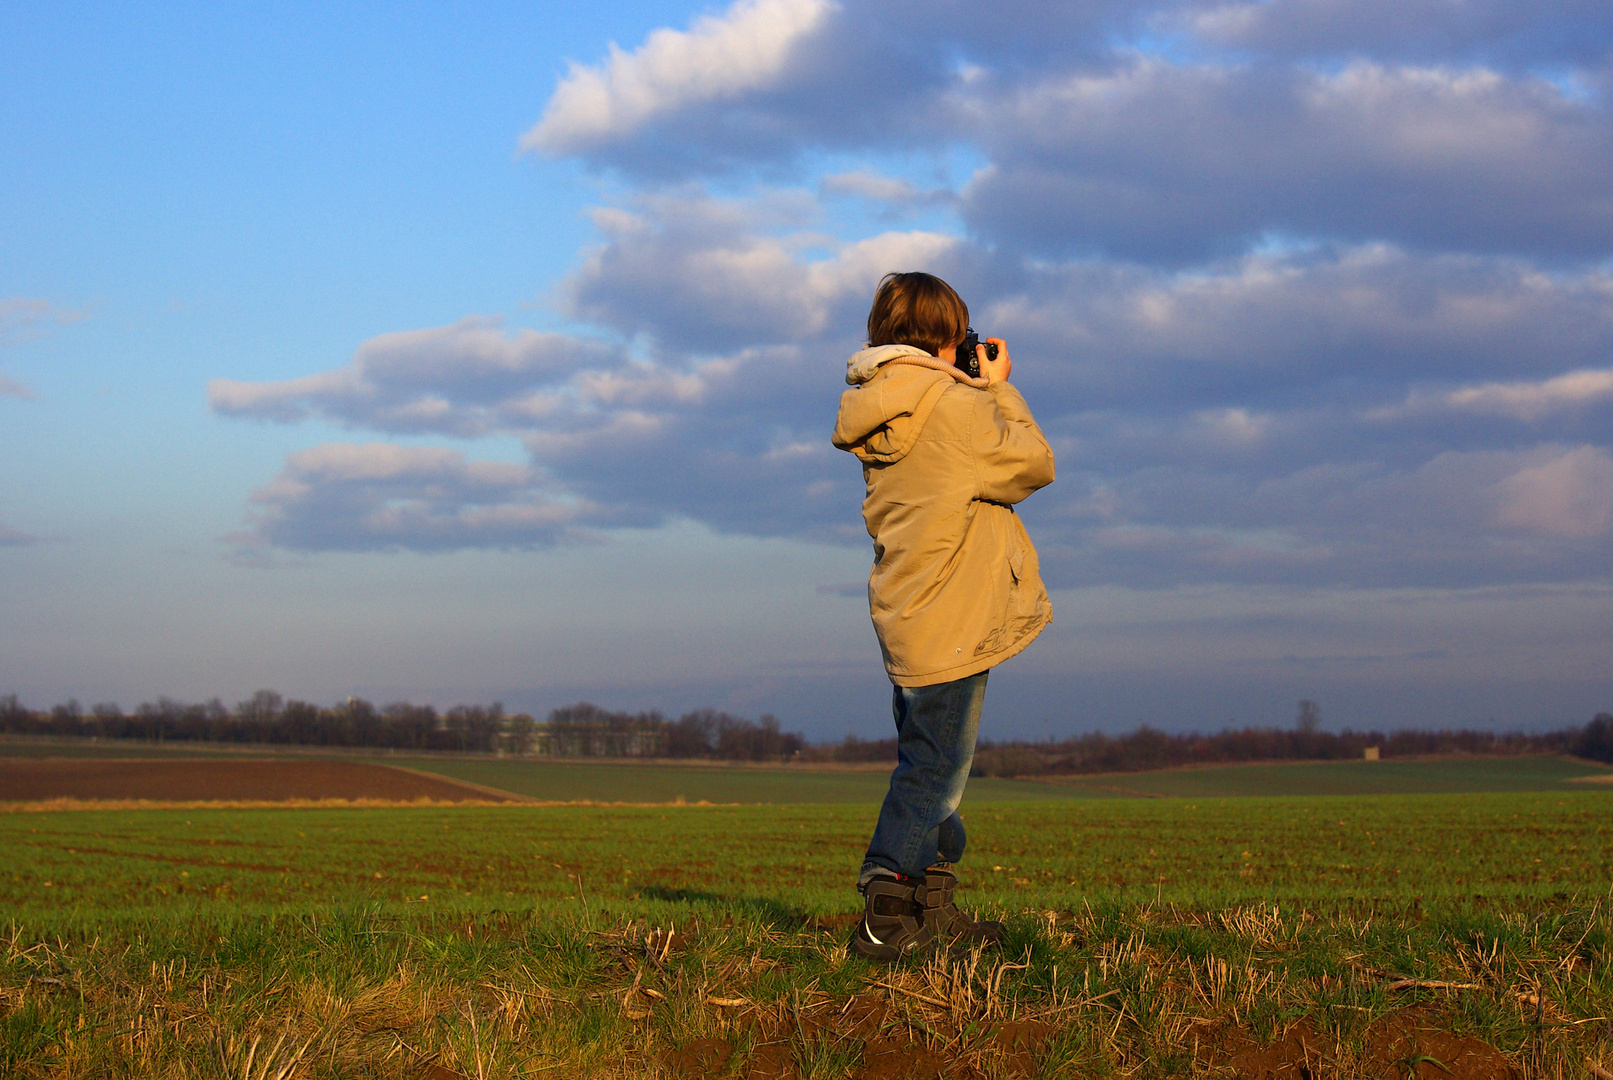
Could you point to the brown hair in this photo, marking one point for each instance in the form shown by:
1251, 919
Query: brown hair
917, 309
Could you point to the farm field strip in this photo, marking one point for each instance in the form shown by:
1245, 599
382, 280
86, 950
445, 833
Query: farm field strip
190, 780
1421, 776
610, 782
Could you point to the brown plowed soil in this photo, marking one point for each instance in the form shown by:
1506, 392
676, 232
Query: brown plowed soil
1402, 1046
1407, 1045
167, 780
1411, 1044
889, 1051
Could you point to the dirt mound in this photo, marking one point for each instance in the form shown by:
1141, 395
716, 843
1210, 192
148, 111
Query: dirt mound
1408, 1045
701, 1058
166, 780
862, 1028
1404, 1046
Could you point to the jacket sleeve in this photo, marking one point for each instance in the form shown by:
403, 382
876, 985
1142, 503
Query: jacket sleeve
1012, 458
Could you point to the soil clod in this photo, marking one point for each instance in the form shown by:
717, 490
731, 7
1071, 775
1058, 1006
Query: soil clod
700, 1059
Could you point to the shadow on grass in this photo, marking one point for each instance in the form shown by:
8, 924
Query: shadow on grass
774, 914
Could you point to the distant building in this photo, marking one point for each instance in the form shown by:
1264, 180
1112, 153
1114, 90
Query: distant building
1370, 754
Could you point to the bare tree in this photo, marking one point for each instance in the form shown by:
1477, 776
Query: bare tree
263, 707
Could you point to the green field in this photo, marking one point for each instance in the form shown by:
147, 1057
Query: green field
107, 864
1147, 937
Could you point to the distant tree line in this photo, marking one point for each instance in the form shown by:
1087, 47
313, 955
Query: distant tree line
267, 719
1147, 748
581, 730
585, 730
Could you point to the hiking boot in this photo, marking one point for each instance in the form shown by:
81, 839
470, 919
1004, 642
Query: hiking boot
948, 923
893, 924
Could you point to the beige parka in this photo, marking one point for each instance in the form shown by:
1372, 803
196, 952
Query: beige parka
955, 588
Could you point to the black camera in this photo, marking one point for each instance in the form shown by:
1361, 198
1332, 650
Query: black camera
967, 359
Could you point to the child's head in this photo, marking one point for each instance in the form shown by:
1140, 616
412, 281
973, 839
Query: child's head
917, 309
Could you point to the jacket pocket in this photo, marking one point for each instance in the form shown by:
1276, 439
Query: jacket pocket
1024, 584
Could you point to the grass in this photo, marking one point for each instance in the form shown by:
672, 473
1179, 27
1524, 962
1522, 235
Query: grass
1146, 938
1402, 918
798, 858
1104, 990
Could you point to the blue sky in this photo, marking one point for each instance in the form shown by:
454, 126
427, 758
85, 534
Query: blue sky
469, 354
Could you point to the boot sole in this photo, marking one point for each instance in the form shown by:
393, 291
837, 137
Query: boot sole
879, 954
882, 953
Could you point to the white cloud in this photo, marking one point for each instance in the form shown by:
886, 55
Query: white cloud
13, 388
748, 48
1235, 427
1569, 496
284, 400
870, 186
1534, 400
895, 193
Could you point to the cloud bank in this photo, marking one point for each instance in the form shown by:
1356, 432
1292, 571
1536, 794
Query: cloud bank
379, 496
1303, 291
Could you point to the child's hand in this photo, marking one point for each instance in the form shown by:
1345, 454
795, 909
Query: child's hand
994, 370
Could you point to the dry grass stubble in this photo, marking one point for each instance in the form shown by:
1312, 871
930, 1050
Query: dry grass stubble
1137, 991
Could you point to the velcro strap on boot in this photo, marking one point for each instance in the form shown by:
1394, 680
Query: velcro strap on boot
892, 906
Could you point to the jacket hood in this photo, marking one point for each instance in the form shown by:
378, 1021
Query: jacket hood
863, 366
893, 389
880, 420
860, 366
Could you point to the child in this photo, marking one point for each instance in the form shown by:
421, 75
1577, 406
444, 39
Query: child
954, 590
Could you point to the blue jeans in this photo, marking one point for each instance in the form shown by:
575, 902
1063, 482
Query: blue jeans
935, 745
